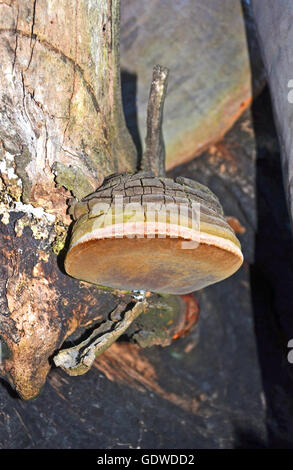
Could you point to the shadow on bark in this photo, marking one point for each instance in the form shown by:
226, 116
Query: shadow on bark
61, 255
11, 392
129, 92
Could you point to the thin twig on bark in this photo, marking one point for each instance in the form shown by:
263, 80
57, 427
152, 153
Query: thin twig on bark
79, 359
154, 156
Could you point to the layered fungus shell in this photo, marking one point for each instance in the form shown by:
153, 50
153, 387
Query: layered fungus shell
140, 232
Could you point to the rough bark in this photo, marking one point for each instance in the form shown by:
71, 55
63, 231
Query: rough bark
61, 103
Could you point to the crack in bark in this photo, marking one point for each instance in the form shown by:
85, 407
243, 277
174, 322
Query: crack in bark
74, 75
41, 107
32, 35
16, 39
34, 18
24, 95
46, 144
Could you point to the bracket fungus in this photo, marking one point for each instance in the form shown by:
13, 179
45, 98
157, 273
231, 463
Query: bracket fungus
137, 232
147, 232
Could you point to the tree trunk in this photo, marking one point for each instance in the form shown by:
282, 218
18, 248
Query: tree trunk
274, 27
62, 130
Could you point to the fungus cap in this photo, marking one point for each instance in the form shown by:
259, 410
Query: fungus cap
140, 244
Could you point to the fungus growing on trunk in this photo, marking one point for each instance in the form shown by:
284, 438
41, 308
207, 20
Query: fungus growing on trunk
146, 232
137, 232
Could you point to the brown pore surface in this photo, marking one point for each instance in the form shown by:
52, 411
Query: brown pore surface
152, 264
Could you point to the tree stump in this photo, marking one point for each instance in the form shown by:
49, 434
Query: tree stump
62, 130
